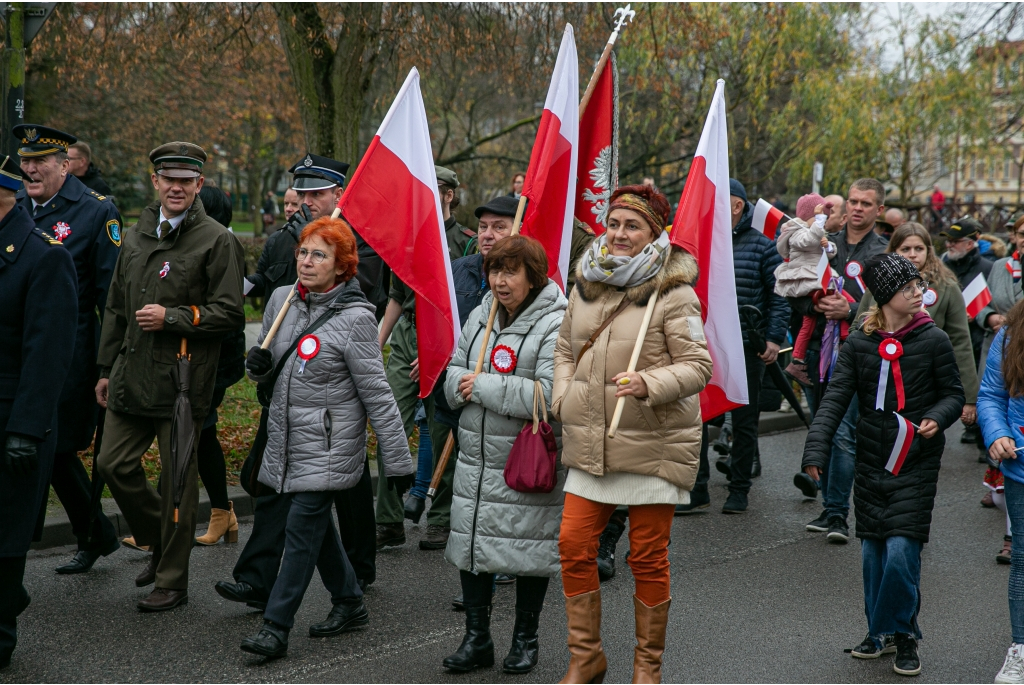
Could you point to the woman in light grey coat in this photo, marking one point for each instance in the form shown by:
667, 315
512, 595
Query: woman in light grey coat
496, 529
330, 378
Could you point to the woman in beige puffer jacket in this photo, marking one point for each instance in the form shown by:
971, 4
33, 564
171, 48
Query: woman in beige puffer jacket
651, 464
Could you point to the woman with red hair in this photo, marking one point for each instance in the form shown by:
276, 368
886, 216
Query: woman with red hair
326, 376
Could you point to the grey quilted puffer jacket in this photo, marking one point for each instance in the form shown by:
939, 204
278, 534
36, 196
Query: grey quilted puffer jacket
316, 431
494, 528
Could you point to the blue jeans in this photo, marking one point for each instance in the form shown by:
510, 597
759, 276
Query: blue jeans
837, 483
311, 542
892, 585
1015, 508
424, 460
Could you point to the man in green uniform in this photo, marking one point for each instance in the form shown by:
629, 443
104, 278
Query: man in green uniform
403, 372
178, 280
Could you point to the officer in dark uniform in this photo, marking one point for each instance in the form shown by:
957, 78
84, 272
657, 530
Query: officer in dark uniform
37, 334
89, 226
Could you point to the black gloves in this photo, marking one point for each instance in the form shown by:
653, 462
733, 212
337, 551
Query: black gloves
299, 220
259, 361
401, 484
21, 455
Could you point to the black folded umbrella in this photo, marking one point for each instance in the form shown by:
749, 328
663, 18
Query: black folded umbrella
183, 428
751, 317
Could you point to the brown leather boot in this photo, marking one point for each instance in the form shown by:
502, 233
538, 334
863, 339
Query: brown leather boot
587, 662
650, 640
223, 524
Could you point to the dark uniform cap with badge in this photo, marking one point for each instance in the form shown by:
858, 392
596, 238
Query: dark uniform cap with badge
502, 206
10, 175
178, 160
314, 172
40, 141
446, 176
962, 228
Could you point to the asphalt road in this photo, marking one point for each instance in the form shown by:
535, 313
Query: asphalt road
755, 599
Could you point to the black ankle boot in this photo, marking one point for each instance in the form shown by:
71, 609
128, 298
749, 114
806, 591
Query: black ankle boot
606, 549
414, 507
477, 649
271, 641
523, 655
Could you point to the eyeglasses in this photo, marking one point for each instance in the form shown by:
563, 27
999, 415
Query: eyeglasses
909, 291
318, 255
1019, 234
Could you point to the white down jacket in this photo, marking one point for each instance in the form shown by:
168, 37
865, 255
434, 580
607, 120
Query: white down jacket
494, 528
316, 430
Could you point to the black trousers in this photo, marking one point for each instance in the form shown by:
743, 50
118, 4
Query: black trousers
260, 559
311, 542
744, 428
478, 588
13, 600
71, 482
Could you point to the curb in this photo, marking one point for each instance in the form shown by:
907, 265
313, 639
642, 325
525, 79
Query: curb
57, 531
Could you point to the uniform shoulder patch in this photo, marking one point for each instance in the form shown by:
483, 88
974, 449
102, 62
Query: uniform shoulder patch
114, 232
97, 195
47, 237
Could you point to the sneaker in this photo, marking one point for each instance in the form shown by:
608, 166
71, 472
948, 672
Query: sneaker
838, 531
1004, 555
390, 535
798, 372
436, 537
868, 649
1013, 668
699, 503
736, 504
986, 501
907, 661
808, 486
820, 524
504, 579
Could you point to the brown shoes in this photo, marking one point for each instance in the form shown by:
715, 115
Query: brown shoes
436, 537
587, 662
148, 575
650, 640
163, 599
130, 543
223, 524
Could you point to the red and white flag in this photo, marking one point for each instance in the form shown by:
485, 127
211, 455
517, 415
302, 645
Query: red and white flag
550, 181
766, 218
824, 270
598, 165
392, 201
703, 227
904, 437
977, 295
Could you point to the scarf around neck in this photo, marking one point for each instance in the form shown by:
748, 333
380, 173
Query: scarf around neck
624, 272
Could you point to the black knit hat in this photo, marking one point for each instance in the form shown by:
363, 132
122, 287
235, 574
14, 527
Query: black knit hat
886, 274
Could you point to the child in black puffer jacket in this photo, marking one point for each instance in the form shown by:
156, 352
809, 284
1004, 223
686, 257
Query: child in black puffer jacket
902, 370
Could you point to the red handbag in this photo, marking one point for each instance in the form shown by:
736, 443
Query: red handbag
531, 462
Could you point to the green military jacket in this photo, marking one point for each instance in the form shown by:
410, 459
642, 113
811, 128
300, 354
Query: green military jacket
461, 240
200, 264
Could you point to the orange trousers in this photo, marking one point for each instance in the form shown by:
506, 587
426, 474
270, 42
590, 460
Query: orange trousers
650, 526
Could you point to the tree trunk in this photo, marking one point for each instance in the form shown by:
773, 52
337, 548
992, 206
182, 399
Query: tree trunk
354, 63
310, 58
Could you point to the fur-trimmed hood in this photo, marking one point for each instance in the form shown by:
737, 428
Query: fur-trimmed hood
680, 270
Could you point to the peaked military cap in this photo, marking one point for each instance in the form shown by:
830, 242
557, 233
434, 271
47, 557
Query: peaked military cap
10, 175
178, 160
314, 172
39, 141
446, 176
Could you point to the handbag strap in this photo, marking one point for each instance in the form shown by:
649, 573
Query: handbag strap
538, 395
312, 328
607, 322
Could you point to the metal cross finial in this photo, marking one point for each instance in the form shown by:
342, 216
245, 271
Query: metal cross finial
625, 15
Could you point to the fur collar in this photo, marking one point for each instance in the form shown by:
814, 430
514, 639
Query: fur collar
680, 270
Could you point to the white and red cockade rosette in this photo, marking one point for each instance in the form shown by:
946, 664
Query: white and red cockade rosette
503, 359
890, 350
307, 348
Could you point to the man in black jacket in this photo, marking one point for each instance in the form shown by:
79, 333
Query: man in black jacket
755, 259
855, 244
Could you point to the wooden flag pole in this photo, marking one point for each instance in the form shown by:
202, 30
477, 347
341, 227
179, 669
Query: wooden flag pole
625, 15
279, 318
449, 444
620, 403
